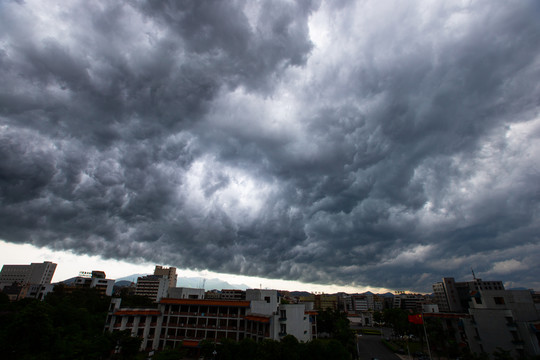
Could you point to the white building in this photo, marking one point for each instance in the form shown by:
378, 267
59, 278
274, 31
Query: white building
96, 280
186, 322
152, 286
503, 319
39, 291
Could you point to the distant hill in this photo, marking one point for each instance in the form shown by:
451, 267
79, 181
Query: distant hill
197, 282
131, 278
193, 282
122, 283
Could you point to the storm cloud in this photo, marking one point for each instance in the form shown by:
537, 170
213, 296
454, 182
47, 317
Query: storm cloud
356, 142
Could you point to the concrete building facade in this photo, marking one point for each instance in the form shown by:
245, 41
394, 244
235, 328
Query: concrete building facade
453, 296
35, 273
188, 321
152, 286
168, 272
506, 319
95, 280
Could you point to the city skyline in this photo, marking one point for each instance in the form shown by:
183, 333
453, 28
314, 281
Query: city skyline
353, 144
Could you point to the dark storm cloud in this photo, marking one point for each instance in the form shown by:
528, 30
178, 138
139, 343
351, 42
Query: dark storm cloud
369, 144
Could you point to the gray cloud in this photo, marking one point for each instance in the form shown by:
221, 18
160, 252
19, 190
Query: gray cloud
361, 143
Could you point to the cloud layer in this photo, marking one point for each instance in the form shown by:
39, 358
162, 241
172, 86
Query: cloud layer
380, 144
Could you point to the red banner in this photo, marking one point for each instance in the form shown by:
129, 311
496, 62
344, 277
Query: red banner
416, 319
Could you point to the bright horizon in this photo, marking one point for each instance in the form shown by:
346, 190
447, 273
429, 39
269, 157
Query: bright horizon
69, 264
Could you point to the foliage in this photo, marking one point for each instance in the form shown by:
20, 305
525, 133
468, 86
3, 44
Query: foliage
289, 348
136, 301
378, 317
66, 325
169, 354
397, 319
335, 323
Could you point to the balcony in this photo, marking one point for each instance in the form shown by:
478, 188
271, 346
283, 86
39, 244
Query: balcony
282, 319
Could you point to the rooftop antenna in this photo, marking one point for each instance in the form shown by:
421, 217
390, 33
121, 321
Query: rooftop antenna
473, 276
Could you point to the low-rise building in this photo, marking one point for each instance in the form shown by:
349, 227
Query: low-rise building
186, 293
232, 294
187, 321
96, 280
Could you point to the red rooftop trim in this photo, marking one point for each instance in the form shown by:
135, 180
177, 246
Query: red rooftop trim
258, 318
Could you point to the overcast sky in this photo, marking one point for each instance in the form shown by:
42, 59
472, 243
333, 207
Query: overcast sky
356, 143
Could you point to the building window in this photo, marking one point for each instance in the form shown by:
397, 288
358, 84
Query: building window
478, 300
499, 300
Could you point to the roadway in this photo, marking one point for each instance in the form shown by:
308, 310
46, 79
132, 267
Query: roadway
371, 347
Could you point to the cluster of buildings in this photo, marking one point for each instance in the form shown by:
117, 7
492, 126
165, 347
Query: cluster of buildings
479, 315
188, 316
483, 316
34, 281
27, 281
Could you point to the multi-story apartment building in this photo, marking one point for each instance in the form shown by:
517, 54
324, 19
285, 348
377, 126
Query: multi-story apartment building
157, 285
35, 273
412, 302
506, 319
186, 322
169, 273
321, 301
452, 296
152, 286
360, 303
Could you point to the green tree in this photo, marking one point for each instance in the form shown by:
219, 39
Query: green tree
378, 317
169, 354
397, 320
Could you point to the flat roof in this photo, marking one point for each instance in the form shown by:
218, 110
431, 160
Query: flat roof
213, 302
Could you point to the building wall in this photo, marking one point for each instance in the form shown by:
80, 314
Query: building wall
501, 318
169, 272
185, 293
178, 321
295, 321
152, 287
35, 273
